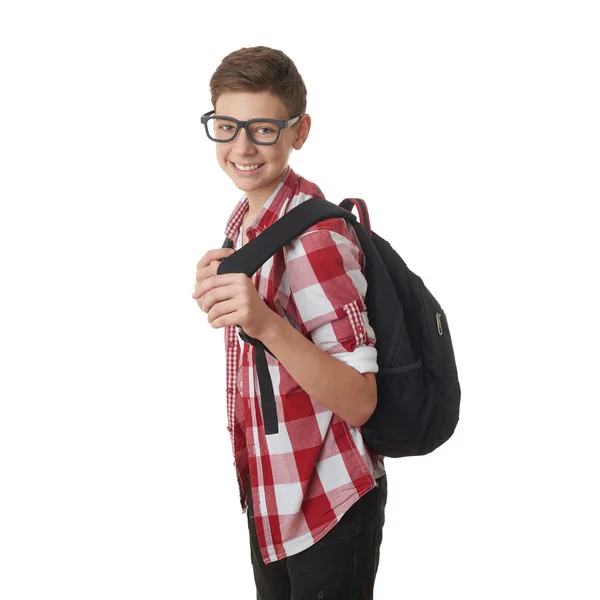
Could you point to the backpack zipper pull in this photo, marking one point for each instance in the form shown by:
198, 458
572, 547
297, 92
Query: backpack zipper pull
439, 322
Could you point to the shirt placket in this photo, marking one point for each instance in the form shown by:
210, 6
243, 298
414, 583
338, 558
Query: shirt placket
232, 370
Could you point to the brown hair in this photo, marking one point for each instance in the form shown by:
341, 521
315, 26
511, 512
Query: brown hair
260, 69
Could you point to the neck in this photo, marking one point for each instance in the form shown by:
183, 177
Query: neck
257, 198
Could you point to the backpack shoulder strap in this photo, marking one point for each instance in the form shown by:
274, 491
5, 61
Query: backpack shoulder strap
250, 257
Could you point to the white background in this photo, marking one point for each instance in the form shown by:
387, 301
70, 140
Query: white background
472, 131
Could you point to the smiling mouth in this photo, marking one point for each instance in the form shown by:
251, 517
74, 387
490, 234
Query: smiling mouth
247, 168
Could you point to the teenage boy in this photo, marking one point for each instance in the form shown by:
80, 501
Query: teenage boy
314, 494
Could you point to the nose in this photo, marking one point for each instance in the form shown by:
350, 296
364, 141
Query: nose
242, 142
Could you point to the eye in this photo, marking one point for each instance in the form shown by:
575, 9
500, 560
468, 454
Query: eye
263, 130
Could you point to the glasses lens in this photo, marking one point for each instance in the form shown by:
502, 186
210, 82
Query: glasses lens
263, 132
221, 130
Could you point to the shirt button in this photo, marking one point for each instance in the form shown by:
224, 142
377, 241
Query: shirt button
229, 429
229, 390
231, 344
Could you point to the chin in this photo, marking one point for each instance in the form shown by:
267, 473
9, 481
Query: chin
247, 186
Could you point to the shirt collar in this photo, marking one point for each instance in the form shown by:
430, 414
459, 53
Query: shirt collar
267, 215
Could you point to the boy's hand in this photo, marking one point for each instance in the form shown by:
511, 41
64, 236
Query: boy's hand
232, 299
207, 267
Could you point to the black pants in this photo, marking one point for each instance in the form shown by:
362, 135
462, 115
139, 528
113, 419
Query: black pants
340, 566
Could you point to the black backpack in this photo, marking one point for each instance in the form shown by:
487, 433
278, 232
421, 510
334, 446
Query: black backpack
418, 393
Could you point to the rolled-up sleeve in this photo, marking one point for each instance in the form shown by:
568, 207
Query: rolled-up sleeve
328, 290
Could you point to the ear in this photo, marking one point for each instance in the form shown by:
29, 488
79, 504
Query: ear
302, 131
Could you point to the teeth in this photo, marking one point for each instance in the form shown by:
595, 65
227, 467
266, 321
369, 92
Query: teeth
248, 168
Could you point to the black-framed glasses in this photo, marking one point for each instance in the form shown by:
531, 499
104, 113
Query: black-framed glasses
260, 131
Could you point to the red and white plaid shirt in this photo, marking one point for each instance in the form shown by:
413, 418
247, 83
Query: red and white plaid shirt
306, 476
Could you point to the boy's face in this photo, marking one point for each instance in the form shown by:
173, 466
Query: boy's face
260, 183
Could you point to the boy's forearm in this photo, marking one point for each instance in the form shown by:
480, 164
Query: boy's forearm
332, 383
